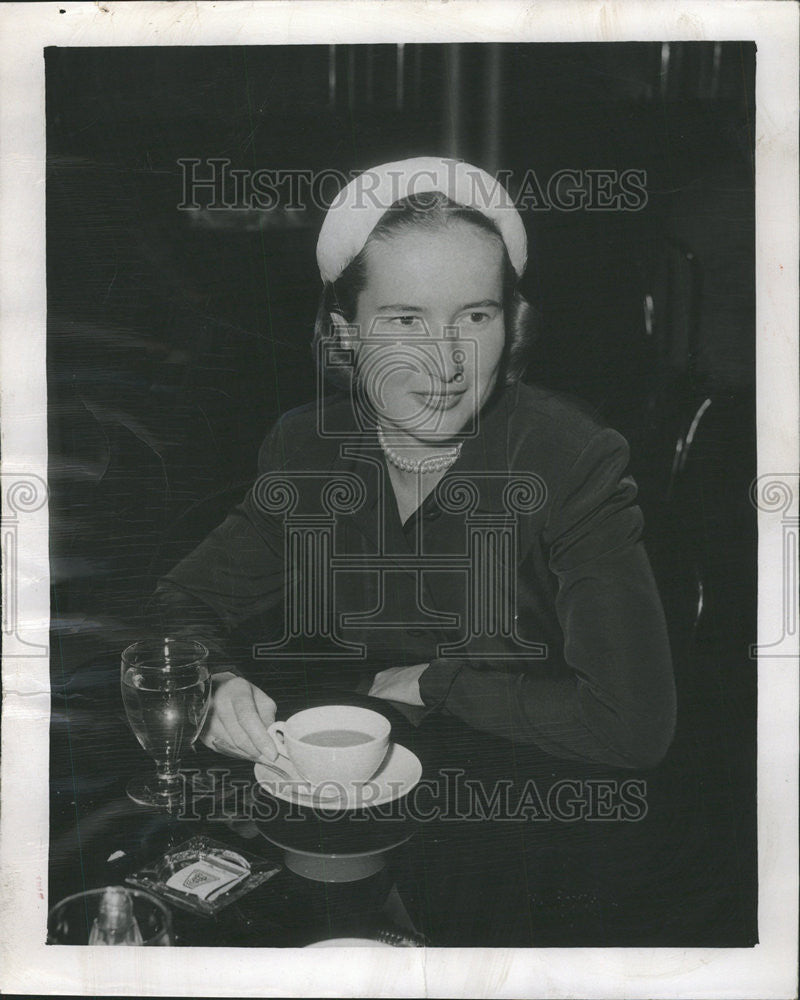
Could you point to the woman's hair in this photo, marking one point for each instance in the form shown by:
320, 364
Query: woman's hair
431, 210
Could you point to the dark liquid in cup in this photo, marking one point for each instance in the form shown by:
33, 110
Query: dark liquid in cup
336, 738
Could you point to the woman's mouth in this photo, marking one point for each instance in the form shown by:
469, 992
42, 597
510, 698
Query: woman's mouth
441, 400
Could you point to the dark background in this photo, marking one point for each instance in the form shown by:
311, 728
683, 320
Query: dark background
175, 338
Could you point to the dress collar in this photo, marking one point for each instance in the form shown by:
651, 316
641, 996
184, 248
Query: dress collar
484, 458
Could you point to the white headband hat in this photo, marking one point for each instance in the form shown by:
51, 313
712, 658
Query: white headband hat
356, 209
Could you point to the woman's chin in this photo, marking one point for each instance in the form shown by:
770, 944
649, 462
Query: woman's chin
436, 434
429, 425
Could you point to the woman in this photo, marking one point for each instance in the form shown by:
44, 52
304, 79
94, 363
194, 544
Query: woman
539, 622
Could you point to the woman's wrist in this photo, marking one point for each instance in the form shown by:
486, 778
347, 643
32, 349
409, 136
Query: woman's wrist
400, 684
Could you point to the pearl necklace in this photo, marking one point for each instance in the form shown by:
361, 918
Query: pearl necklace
434, 463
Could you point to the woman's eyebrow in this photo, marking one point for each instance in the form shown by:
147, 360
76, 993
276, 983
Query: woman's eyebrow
404, 307
483, 304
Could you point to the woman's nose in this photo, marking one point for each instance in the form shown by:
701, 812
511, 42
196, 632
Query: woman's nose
447, 362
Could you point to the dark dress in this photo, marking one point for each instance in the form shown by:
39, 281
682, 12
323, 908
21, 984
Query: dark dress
522, 579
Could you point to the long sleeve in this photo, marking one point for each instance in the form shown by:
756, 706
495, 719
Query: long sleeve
234, 574
611, 697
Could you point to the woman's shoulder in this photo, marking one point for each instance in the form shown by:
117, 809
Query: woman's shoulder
298, 438
577, 455
565, 423
320, 414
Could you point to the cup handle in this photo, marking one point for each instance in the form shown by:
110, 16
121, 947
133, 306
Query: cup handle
276, 733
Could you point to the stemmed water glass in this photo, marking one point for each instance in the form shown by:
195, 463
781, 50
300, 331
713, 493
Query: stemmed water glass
166, 689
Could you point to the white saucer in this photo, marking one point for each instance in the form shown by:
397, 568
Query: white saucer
398, 774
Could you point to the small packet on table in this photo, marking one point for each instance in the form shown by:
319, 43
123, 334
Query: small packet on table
203, 875
206, 878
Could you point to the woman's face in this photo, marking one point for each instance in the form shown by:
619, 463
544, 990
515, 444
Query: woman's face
430, 329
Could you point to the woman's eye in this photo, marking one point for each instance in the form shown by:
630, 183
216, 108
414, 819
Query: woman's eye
405, 321
478, 317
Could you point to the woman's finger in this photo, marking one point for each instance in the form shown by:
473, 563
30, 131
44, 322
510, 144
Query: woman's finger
265, 706
238, 720
213, 731
254, 715
240, 742
214, 728
225, 724
239, 738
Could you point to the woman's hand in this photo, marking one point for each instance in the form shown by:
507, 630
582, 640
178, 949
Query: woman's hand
239, 716
399, 684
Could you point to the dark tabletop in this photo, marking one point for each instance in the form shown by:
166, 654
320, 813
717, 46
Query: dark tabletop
501, 845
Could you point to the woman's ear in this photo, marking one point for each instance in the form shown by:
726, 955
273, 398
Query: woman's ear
346, 333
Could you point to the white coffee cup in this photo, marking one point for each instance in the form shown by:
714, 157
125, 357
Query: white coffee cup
337, 743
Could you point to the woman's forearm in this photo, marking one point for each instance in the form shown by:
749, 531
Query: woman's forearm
562, 715
607, 696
